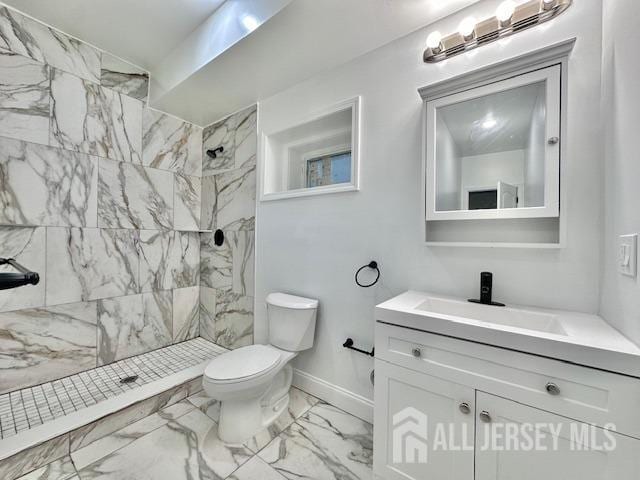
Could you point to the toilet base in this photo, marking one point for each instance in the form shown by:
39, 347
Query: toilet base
241, 419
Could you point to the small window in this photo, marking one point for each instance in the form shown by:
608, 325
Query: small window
329, 169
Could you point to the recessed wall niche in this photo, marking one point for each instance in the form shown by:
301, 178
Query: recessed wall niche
317, 155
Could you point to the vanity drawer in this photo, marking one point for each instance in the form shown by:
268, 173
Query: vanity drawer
581, 393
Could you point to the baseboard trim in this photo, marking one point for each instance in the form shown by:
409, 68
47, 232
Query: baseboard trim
342, 398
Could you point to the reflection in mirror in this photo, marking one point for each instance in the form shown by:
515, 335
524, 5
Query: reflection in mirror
490, 151
317, 156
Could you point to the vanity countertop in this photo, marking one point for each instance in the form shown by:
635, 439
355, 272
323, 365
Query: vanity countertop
574, 337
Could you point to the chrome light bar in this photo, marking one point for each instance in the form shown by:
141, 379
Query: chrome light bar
509, 19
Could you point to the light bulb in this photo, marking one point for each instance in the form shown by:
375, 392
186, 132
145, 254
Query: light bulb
434, 41
549, 4
250, 23
505, 12
489, 123
467, 28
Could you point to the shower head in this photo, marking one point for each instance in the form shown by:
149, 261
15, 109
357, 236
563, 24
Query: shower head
213, 153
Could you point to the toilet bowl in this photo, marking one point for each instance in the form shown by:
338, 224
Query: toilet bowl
252, 383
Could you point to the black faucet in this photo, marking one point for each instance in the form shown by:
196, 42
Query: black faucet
486, 291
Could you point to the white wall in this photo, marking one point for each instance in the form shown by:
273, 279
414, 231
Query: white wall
448, 169
312, 246
535, 157
620, 100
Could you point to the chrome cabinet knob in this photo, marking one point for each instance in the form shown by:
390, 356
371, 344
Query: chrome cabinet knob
416, 352
485, 416
465, 408
552, 389
554, 141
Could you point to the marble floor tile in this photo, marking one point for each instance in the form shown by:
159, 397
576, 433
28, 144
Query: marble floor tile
234, 320
246, 138
256, 469
94, 431
326, 443
44, 344
124, 77
185, 448
220, 134
186, 313
207, 313
230, 266
27, 246
299, 403
88, 118
169, 259
35, 457
216, 262
24, 98
194, 386
40, 185
187, 203
207, 405
132, 196
132, 325
25, 36
62, 469
171, 144
89, 263
243, 272
121, 438
229, 200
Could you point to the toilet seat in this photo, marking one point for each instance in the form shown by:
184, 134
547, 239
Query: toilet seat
243, 364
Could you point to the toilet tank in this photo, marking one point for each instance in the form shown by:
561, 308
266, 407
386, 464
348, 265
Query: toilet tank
292, 321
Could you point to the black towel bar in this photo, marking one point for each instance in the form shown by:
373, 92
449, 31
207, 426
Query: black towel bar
15, 280
349, 344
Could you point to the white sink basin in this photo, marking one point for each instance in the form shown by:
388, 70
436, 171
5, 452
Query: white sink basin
575, 337
505, 316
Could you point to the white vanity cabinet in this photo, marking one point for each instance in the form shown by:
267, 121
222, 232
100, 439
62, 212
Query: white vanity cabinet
567, 461
401, 397
467, 389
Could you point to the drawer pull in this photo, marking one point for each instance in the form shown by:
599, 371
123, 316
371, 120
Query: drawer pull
416, 352
552, 389
465, 408
485, 416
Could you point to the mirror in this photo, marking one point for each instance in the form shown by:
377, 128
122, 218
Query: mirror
319, 155
494, 149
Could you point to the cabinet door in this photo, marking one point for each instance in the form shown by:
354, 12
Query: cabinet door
409, 409
570, 450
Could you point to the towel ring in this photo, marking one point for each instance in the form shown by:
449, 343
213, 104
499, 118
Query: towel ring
373, 265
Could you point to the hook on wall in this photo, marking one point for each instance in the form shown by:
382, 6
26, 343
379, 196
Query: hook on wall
213, 153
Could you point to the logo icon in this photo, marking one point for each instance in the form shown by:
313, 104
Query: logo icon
410, 436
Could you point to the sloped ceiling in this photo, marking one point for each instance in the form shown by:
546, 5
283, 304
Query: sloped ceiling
295, 40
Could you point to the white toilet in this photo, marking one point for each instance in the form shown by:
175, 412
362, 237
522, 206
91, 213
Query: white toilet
252, 383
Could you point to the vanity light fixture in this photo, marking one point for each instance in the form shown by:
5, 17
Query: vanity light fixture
434, 42
250, 23
510, 18
505, 12
467, 28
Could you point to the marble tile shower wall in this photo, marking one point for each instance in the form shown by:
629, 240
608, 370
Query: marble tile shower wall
229, 204
99, 194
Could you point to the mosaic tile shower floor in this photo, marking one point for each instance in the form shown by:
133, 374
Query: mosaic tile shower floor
30, 407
